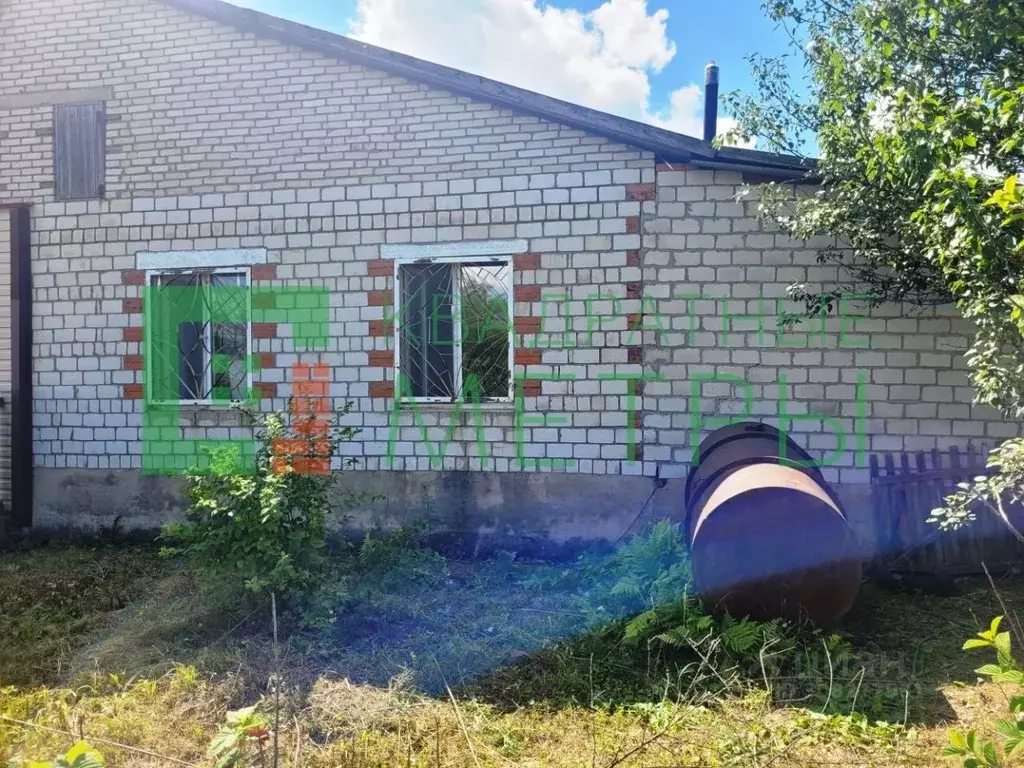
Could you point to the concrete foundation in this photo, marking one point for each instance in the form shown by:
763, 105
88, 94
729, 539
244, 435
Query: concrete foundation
532, 513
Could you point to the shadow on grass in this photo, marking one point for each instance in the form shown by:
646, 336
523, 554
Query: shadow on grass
55, 597
501, 631
486, 636
913, 641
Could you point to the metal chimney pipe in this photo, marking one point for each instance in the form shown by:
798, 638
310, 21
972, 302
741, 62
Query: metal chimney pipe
710, 101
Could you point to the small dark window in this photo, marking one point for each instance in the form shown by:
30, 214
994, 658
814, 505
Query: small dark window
80, 150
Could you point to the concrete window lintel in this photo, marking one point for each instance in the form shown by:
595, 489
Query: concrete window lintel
450, 250
235, 257
469, 408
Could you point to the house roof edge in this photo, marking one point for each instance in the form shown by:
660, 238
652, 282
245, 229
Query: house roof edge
666, 145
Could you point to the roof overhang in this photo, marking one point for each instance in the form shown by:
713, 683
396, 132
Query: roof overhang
666, 145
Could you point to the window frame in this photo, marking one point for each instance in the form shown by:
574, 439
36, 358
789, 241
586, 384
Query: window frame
505, 260
207, 334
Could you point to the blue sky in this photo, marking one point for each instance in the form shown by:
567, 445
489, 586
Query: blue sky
643, 59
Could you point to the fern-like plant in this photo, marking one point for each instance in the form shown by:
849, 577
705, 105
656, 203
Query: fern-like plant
650, 569
687, 624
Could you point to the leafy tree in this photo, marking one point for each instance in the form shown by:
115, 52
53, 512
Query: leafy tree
917, 108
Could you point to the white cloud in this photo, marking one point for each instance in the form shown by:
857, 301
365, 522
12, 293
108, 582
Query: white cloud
685, 114
603, 59
685, 111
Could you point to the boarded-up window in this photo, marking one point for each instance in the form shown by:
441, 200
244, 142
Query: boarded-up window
79, 150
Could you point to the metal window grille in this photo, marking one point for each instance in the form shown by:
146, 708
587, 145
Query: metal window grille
198, 331
454, 330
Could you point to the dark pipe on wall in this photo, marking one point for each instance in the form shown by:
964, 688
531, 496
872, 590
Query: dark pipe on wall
710, 101
21, 366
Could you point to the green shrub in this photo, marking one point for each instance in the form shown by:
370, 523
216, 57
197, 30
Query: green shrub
79, 756
390, 560
977, 752
242, 740
260, 530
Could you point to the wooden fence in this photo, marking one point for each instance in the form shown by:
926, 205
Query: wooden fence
904, 491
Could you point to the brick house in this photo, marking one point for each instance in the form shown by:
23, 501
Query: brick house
163, 143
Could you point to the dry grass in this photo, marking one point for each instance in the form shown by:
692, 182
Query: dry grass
135, 654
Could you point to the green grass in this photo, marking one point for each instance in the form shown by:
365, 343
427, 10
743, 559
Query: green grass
116, 644
52, 600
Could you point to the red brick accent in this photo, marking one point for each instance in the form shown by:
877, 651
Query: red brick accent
638, 453
262, 272
381, 328
531, 388
132, 362
267, 360
132, 306
527, 325
636, 321
527, 356
380, 298
132, 391
132, 335
634, 290
632, 225
673, 167
264, 330
634, 355
382, 389
638, 419
133, 277
380, 268
638, 387
640, 192
632, 258
526, 261
526, 293
382, 359
267, 390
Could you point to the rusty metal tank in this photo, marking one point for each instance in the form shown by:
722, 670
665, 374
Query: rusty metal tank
768, 536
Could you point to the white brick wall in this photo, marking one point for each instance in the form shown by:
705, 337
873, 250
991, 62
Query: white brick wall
914, 393
218, 141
